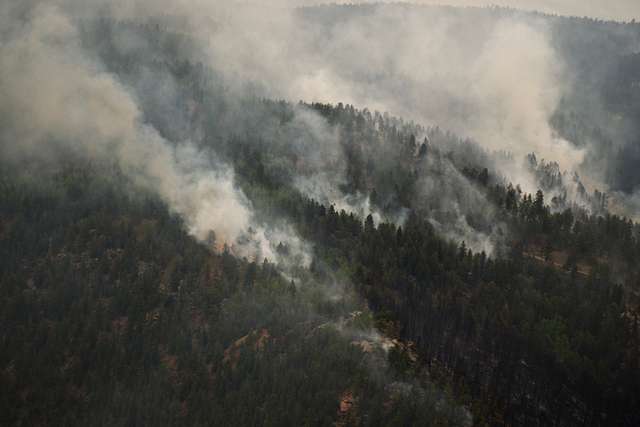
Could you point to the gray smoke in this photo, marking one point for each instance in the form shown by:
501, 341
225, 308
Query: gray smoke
497, 81
52, 95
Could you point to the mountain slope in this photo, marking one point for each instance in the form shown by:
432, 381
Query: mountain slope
113, 315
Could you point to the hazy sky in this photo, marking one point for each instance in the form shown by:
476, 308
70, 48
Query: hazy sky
624, 10
610, 9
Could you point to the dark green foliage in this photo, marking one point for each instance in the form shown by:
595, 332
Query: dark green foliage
112, 315
516, 333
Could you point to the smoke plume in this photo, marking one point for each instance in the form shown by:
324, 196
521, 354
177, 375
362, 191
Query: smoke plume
53, 96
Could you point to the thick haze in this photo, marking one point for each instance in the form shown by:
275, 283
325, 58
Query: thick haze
496, 80
623, 10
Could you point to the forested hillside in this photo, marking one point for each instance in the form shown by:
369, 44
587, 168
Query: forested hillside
113, 315
593, 63
181, 246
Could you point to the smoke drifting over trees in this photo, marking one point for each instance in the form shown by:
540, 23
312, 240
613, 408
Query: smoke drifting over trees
424, 195
55, 96
498, 78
